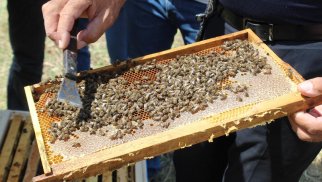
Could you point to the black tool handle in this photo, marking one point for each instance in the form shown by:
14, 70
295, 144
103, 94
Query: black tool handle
72, 46
70, 54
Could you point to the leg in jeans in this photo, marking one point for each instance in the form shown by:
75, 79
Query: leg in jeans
27, 37
149, 29
141, 29
117, 37
83, 59
146, 27
184, 15
83, 55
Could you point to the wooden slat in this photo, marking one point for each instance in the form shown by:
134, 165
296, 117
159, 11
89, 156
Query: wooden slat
22, 151
107, 176
121, 174
37, 130
33, 161
141, 171
10, 143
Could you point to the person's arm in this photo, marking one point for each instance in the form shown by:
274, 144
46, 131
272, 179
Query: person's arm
308, 125
59, 17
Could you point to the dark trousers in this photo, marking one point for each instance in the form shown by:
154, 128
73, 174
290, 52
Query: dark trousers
27, 36
266, 153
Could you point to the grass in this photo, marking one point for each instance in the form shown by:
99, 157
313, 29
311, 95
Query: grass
5, 53
53, 66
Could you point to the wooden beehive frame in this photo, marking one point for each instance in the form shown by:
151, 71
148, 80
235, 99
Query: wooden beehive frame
179, 137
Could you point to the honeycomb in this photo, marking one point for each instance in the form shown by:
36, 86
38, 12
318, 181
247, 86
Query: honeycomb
62, 150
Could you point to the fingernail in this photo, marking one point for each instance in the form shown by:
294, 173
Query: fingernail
60, 44
306, 86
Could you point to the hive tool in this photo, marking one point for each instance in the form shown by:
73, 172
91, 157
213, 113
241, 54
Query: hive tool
68, 90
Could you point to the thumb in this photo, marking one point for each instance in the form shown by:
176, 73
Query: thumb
311, 88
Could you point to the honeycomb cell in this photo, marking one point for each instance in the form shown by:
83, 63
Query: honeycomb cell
45, 121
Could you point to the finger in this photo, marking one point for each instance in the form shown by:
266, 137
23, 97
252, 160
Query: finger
89, 14
71, 11
309, 123
98, 25
51, 24
58, 38
303, 135
51, 15
94, 30
64, 40
80, 43
55, 37
312, 87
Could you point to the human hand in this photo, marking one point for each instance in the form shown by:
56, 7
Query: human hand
308, 125
60, 15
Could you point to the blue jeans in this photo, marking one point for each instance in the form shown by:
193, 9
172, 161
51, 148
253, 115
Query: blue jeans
265, 153
149, 26
83, 56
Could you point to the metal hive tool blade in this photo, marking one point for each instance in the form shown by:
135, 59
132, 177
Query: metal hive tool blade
68, 93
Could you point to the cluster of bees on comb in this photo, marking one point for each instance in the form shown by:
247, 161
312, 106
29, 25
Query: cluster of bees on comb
187, 83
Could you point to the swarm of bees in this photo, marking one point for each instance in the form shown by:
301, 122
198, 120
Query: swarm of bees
185, 84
